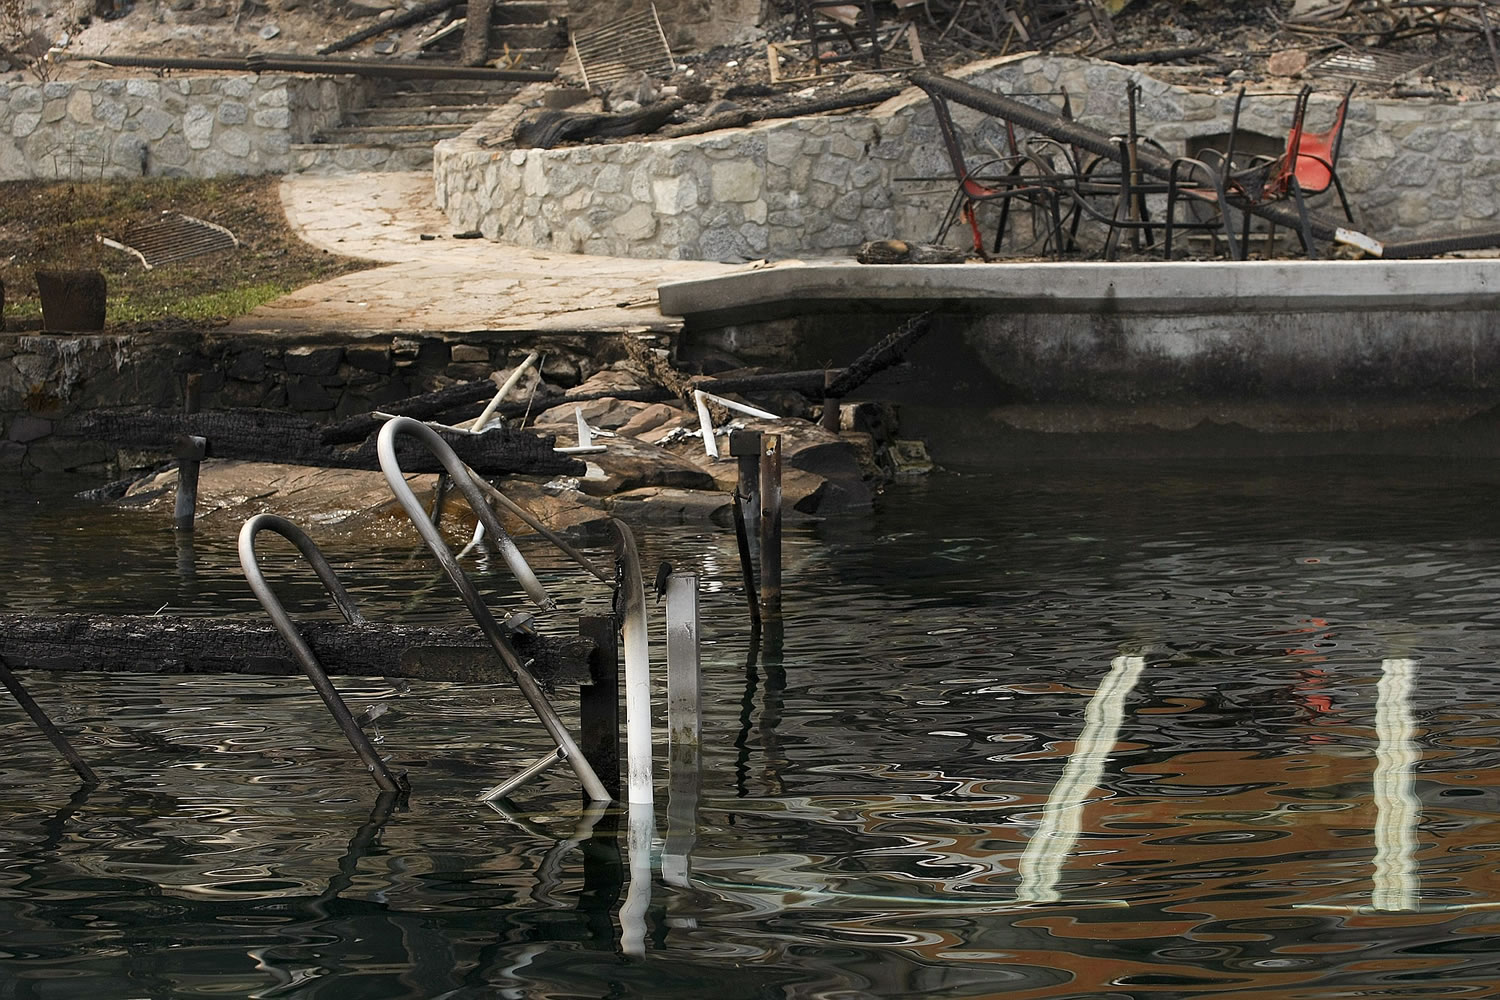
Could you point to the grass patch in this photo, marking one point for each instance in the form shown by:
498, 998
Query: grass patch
46, 225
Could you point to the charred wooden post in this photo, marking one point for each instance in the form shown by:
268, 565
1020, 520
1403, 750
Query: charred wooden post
770, 528
476, 48
747, 563
599, 701
72, 300
189, 452
274, 436
744, 447
829, 418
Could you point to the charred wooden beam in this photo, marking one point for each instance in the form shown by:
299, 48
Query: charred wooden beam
389, 69
276, 436
156, 644
416, 15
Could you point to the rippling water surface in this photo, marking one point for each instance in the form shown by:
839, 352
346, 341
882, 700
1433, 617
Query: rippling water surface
1094, 731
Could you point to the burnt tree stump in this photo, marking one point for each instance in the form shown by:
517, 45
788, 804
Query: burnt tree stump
72, 300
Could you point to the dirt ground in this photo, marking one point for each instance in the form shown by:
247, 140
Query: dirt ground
56, 226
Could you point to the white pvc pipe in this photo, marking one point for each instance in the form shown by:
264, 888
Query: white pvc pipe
637, 669
706, 422
477, 424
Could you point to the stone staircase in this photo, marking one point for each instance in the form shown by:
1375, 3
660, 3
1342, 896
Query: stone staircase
404, 119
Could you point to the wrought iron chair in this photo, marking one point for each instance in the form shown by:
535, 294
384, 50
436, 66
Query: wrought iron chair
1002, 179
1307, 165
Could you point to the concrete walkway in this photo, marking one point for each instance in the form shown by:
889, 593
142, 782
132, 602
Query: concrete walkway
445, 284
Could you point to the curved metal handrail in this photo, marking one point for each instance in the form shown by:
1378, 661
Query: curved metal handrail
300, 649
567, 749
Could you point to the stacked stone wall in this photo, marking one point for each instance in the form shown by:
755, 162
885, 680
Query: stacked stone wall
821, 186
174, 126
47, 378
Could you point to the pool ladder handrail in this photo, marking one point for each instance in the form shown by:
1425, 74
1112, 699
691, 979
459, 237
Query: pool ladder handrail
461, 476
306, 659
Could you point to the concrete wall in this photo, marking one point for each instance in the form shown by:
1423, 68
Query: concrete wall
822, 186
176, 126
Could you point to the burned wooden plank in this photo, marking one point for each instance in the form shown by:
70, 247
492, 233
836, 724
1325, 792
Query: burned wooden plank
419, 13
277, 436
159, 644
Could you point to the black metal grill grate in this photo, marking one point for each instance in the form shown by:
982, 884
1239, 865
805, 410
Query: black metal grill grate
174, 237
633, 44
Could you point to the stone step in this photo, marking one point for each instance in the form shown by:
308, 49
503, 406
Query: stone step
349, 158
427, 114
444, 98
529, 36
520, 11
390, 135
499, 89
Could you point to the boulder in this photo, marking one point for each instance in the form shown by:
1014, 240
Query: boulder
628, 464
654, 415
666, 505
606, 414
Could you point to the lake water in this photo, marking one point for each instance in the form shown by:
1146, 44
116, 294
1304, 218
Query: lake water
1058, 731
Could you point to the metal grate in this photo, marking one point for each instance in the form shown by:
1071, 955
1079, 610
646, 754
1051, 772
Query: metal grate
1369, 67
171, 238
633, 44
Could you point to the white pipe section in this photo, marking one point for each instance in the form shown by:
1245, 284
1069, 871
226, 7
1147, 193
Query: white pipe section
710, 446
1396, 877
585, 439
1062, 819
684, 703
478, 423
637, 668
730, 404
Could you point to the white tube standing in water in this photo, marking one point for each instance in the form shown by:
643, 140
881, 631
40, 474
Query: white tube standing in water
1062, 819
637, 669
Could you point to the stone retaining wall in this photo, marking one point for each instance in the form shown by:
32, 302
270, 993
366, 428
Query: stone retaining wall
821, 186
197, 126
46, 378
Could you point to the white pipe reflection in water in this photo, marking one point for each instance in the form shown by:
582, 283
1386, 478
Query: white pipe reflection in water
638, 896
1062, 819
1397, 809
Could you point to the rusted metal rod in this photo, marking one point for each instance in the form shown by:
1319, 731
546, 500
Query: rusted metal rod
32, 709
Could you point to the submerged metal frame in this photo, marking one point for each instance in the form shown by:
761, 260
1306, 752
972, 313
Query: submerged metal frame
565, 746
306, 659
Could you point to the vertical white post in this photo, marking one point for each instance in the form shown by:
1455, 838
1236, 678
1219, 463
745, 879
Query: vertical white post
684, 703
684, 727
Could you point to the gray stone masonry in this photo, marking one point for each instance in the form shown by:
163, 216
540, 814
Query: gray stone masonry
46, 378
175, 126
821, 186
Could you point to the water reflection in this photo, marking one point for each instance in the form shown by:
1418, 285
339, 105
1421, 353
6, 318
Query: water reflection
930, 786
1062, 819
1397, 809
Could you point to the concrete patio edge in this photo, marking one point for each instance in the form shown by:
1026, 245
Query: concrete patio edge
1155, 288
